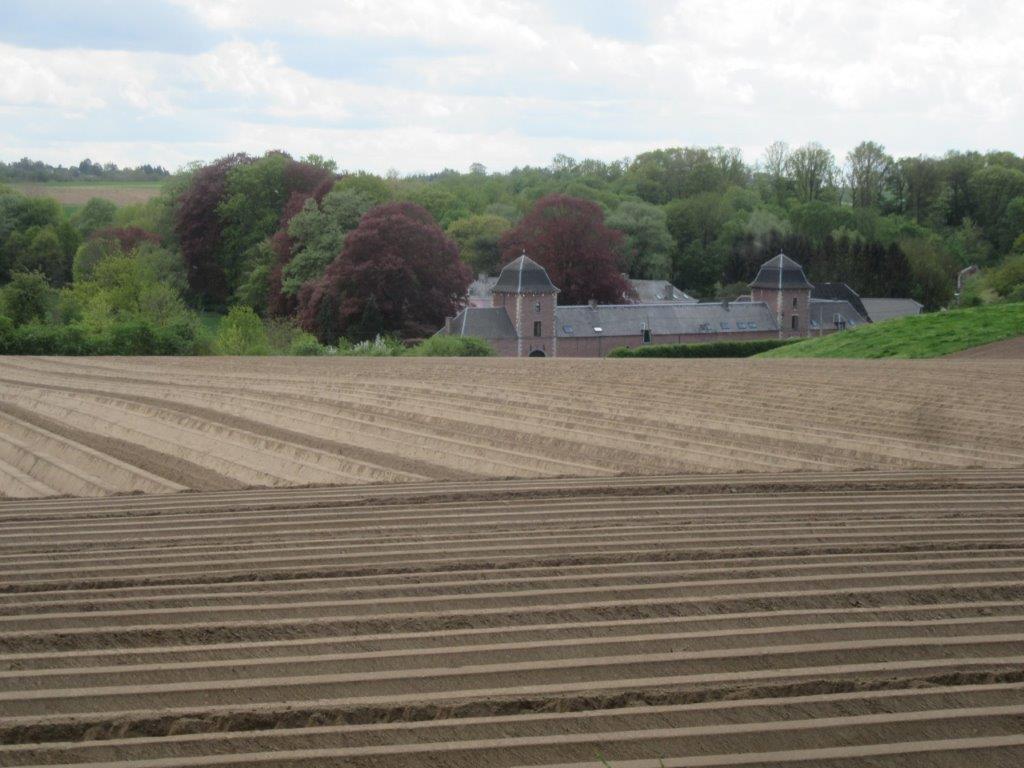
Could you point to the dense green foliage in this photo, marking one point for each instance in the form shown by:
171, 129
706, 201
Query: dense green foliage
931, 335
268, 233
710, 349
452, 346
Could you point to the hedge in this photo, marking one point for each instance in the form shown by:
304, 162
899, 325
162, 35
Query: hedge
709, 349
130, 338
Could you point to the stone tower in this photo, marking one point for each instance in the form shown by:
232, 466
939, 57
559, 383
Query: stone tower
783, 286
528, 295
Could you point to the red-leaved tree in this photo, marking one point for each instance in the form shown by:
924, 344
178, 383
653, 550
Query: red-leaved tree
198, 228
398, 274
568, 237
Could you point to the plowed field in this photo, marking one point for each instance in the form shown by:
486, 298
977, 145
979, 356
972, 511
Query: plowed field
856, 619
100, 426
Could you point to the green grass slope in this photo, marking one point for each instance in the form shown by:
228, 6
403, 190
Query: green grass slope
931, 335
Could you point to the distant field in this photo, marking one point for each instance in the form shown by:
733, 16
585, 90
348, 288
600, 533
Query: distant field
98, 426
920, 336
73, 193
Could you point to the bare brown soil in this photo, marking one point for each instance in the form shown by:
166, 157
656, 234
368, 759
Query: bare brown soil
1009, 349
852, 618
103, 426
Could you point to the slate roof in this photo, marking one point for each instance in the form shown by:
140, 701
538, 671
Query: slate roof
484, 323
840, 292
824, 314
886, 309
524, 275
630, 319
782, 272
658, 291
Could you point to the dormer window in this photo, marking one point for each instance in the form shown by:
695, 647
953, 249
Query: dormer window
536, 307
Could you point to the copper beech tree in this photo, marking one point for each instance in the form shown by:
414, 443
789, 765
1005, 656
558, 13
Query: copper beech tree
568, 237
397, 274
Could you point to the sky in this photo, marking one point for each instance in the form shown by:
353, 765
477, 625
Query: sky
422, 85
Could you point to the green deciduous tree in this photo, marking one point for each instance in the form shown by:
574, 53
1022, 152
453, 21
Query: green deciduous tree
649, 244
95, 214
814, 172
868, 169
26, 298
242, 333
479, 241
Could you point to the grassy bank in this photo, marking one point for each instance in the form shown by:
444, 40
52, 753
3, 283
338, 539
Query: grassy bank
932, 335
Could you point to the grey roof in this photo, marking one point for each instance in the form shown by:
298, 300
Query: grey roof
886, 309
827, 314
630, 319
781, 272
647, 291
524, 275
484, 323
658, 291
839, 292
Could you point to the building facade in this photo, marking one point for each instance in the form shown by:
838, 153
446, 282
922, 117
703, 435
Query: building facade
525, 320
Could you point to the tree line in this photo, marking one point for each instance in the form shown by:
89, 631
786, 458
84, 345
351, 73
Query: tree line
26, 170
350, 256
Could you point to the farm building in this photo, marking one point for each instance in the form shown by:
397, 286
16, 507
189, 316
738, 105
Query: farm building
524, 318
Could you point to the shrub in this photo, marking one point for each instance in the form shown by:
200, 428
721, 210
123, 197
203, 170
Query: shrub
710, 349
27, 298
131, 338
6, 334
452, 346
305, 345
381, 346
242, 333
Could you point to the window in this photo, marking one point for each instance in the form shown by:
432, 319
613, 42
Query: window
538, 329
567, 329
647, 335
796, 322
724, 326
598, 329
796, 304
536, 307
752, 326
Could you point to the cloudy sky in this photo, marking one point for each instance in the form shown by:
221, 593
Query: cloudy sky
418, 85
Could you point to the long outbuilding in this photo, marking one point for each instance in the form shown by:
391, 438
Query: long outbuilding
525, 319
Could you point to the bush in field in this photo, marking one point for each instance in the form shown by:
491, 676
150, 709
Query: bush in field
711, 349
242, 333
306, 345
452, 346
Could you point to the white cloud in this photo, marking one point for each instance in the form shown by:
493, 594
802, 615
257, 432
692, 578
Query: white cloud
507, 82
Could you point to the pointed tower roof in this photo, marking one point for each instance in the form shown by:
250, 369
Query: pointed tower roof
780, 273
524, 275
